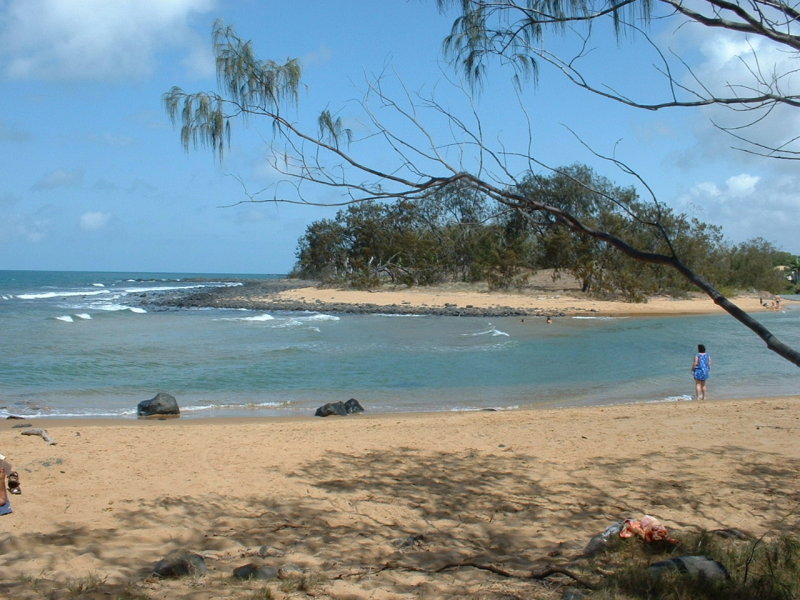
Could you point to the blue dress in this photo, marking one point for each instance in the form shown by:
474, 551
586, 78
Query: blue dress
701, 372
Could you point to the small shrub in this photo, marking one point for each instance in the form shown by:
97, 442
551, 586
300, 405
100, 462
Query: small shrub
87, 585
759, 570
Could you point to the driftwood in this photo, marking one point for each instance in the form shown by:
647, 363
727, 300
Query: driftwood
539, 574
41, 433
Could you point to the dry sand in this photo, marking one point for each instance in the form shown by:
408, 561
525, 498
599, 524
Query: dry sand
338, 496
552, 301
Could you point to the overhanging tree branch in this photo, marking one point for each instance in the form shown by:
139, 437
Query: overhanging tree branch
417, 167
513, 32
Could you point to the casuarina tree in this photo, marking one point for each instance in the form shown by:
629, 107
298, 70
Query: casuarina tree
401, 158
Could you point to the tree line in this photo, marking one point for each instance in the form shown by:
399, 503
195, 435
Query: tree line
458, 234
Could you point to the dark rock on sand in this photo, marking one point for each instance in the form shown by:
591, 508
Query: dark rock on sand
162, 405
179, 564
410, 541
343, 409
290, 572
693, 566
255, 571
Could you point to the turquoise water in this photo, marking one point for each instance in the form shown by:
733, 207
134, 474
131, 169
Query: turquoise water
83, 344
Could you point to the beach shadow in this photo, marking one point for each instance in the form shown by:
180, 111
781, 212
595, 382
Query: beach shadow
372, 518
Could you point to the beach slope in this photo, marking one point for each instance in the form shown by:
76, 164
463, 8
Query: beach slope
377, 506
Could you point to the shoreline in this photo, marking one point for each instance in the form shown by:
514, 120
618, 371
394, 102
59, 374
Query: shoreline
445, 300
88, 421
336, 497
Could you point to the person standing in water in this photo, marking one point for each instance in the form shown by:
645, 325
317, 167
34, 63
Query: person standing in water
701, 369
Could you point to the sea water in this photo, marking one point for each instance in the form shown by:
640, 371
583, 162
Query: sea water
77, 344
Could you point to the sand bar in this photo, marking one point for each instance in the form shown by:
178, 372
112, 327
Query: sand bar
338, 496
543, 296
533, 302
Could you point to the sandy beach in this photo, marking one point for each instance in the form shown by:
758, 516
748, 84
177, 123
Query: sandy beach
538, 301
393, 506
371, 506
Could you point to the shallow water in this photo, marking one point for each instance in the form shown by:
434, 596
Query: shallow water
81, 344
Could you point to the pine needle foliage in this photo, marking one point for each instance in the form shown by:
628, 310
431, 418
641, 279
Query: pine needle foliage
253, 87
515, 31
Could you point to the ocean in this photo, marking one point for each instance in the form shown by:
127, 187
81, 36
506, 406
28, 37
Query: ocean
81, 344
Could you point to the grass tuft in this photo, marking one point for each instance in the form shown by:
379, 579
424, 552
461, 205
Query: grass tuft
759, 570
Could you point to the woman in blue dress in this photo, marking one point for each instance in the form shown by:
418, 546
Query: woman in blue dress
701, 369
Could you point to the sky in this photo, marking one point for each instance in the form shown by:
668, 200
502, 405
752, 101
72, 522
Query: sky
94, 176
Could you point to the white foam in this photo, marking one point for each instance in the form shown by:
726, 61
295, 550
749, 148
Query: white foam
494, 332
46, 295
289, 324
681, 398
320, 317
52, 413
254, 319
118, 307
250, 405
98, 285
486, 409
65, 318
598, 318
170, 288
85, 316
264, 317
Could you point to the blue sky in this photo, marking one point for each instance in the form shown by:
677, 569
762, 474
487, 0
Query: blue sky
95, 178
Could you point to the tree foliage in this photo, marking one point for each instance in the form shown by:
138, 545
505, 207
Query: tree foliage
457, 235
450, 235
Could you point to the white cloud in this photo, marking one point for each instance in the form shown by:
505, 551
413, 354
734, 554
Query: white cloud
32, 226
742, 185
31, 229
94, 39
729, 65
747, 206
707, 188
60, 178
94, 220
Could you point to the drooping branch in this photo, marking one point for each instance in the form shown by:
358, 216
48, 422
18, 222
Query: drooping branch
417, 169
510, 198
513, 31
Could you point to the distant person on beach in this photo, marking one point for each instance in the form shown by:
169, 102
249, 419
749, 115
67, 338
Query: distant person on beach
11, 474
5, 503
701, 369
